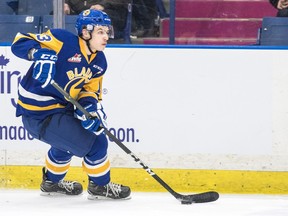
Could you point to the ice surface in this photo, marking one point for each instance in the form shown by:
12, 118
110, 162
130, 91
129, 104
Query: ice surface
29, 202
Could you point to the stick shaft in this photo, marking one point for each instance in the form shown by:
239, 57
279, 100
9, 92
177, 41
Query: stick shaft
139, 161
112, 137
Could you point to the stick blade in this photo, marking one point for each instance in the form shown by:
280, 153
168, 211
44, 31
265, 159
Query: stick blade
205, 197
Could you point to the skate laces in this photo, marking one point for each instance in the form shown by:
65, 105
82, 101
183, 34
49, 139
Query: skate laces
115, 188
67, 185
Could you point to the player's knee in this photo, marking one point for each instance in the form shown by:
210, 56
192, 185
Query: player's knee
99, 147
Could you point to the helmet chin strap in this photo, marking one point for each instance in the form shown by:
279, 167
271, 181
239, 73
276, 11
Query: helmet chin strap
88, 43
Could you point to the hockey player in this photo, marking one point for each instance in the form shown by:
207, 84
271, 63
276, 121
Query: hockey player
77, 64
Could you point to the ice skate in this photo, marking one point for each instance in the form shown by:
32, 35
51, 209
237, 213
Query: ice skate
109, 191
63, 187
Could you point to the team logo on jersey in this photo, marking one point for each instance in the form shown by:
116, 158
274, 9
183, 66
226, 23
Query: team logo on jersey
76, 58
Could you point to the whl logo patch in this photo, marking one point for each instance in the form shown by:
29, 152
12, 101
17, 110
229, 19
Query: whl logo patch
76, 58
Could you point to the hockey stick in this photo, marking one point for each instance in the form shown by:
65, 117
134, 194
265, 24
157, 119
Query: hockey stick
209, 196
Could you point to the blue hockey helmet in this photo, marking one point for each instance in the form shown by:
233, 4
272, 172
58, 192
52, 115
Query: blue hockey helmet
90, 18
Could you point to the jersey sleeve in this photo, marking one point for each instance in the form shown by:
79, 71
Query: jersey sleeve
23, 42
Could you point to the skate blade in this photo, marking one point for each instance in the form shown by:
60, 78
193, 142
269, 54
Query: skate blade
56, 194
93, 197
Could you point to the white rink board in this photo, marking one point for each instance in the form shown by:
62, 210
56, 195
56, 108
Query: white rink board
191, 108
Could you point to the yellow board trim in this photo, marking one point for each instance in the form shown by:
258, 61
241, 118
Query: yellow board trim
222, 181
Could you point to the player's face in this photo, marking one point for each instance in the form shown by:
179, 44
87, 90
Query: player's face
100, 36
